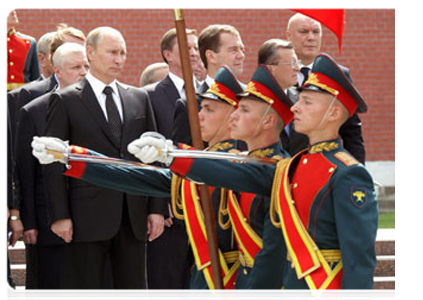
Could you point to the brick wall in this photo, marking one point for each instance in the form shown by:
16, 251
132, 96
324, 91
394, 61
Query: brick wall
368, 49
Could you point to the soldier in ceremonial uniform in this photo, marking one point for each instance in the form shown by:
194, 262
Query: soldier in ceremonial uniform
218, 103
324, 198
262, 113
22, 57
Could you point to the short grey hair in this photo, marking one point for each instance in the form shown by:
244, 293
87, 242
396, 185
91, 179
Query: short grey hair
61, 54
43, 45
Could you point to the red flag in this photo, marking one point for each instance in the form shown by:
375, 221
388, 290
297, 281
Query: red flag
334, 19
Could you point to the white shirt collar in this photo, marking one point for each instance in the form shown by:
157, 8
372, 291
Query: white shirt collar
178, 82
98, 86
209, 80
308, 66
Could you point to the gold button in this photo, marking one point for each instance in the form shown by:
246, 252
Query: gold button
12, 77
295, 185
10, 50
11, 63
305, 160
331, 170
8, 39
245, 271
245, 219
27, 41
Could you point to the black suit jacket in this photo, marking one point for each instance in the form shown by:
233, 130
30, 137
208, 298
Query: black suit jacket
350, 133
8, 161
75, 115
32, 122
181, 131
17, 98
163, 96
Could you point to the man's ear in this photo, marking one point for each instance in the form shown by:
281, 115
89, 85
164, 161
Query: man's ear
210, 55
287, 34
335, 113
89, 50
168, 55
57, 71
269, 121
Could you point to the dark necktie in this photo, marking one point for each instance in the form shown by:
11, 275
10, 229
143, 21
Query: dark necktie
113, 116
305, 71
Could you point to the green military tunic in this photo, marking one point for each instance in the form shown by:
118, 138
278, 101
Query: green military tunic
334, 196
269, 262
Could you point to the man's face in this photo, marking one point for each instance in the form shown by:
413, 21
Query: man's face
246, 119
74, 69
214, 119
108, 58
173, 57
306, 36
286, 75
309, 110
231, 53
12, 20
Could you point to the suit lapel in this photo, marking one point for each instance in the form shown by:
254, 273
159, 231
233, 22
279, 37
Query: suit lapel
202, 88
89, 100
170, 90
125, 98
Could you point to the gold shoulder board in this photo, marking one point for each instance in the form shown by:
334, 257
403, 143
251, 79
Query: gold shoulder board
346, 158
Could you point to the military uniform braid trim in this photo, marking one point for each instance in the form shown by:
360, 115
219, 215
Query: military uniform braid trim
175, 189
277, 181
223, 210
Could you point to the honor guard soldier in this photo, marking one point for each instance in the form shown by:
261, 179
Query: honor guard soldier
262, 113
325, 199
22, 58
218, 103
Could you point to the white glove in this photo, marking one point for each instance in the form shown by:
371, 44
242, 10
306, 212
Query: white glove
42, 148
151, 147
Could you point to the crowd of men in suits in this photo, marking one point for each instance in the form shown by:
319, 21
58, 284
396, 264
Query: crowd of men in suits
79, 235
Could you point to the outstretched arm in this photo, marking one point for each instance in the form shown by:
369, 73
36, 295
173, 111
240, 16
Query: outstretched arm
147, 181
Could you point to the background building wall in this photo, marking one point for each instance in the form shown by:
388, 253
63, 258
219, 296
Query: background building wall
368, 49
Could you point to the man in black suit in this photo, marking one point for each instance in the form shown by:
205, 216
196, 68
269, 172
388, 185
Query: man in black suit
105, 115
306, 36
219, 45
19, 97
70, 66
169, 256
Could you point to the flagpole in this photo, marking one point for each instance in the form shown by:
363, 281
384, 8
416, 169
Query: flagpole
206, 203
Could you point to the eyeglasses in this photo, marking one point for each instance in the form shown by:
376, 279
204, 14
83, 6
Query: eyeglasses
291, 63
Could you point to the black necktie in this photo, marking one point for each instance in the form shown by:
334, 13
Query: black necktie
113, 116
305, 71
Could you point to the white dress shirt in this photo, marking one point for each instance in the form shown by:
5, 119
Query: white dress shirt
98, 88
209, 80
300, 75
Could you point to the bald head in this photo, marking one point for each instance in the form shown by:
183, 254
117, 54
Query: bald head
306, 36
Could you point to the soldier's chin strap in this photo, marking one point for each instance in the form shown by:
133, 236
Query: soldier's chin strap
332, 101
220, 128
266, 112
